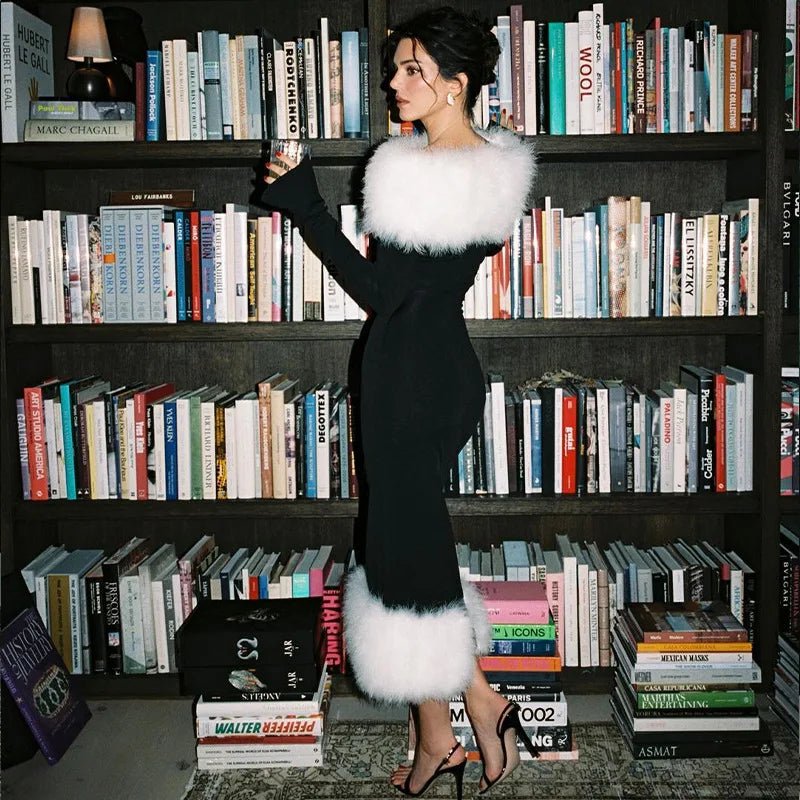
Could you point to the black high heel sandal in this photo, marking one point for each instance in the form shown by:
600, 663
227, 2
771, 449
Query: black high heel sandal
457, 770
509, 718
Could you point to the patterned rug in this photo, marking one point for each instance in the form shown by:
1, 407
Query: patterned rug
360, 756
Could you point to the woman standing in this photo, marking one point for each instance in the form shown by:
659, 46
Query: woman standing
435, 206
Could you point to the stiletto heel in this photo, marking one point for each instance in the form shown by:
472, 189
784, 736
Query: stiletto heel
457, 771
509, 719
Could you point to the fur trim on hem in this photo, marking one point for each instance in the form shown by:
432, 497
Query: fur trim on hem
444, 200
400, 655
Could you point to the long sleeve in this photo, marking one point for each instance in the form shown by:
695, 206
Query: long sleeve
368, 283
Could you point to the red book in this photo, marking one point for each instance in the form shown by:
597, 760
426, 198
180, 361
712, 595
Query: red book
140, 87
618, 45
497, 284
194, 233
265, 740
719, 433
140, 402
514, 601
569, 454
527, 267
37, 442
319, 571
332, 619
520, 663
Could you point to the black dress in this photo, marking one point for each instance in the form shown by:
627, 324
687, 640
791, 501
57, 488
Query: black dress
411, 628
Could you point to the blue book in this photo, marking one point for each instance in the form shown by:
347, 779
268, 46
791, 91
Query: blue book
624, 53
207, 281
605, 296
109, 264
171, 446
301, 584
515, 277
211, 80
666, 55
180, 265
154, 97
556, 72
155, 218
536, 440
311, 444
344, 450
659, 265
522, 647
140, 264
122, 244
69, 443
351, 84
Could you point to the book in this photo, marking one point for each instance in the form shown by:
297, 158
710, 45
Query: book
709, 621
48, 130
27, 66
250, 633
38, 681
514, 601
241, 681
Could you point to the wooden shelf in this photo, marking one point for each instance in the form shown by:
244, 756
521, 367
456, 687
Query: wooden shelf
789, 505
320, 331
119, 155
618, 504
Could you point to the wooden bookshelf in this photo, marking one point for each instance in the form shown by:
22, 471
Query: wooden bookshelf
684, 172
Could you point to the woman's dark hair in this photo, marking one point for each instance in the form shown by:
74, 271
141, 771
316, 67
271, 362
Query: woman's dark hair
457, 42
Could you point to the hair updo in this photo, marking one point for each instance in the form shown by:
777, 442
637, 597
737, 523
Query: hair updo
457, 42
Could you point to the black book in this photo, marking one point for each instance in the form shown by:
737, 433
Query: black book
237, 682
302, 107
251, 633
701, 382
542, 80
269, 110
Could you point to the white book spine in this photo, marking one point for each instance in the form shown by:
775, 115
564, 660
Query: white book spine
182, 426
159, 451
323, 444
101, 445
240, 265
572, 78
168, 64
220, 272
326, 77
584, 616
599, 75
603, 453
529, 71
133, 657
594, 620
570, 607
587, 98
667, 440
644, 286
13, 259
311, 67
679, 439
181, 70
245, 474
131, 449
159, 626
170, 296
499, 437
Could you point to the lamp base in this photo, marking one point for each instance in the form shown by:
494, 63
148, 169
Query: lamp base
88, 83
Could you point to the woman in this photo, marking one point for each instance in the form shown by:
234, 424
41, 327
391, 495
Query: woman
435, 206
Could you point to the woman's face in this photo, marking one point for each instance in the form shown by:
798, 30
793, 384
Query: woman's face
418, 85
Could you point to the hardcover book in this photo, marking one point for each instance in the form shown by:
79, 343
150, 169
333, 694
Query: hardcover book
249, 633
38, 681
515, 601
27, 70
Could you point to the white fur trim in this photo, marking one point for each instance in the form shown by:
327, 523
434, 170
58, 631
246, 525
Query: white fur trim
400, 655
444, 200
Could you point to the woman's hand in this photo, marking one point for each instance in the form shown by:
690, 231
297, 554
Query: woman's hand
280, 166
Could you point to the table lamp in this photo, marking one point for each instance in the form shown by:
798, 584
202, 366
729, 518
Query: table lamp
88, 42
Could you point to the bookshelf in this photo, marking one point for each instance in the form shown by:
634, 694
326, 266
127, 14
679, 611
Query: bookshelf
684, 172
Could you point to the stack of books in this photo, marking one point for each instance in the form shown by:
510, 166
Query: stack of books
785, 698
683, 685
259, 670
524, 665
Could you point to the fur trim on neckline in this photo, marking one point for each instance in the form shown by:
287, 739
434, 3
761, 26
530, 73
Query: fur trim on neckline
444, 200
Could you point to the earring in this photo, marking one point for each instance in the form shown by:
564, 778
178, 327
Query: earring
451, 101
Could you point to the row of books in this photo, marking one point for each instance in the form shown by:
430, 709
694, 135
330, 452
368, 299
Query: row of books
568, 434
255, 86
257, 649
596, 76
587, 585
620, 260
562, 434
785, 695
119, 613
84, 439
790, 431
153, 263
683, 683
